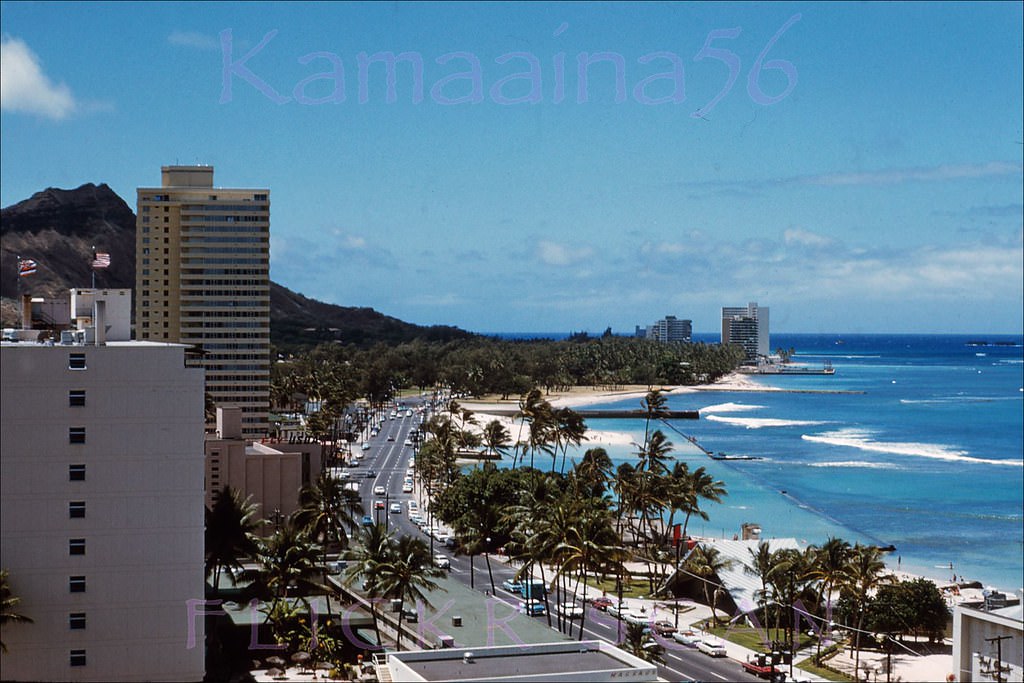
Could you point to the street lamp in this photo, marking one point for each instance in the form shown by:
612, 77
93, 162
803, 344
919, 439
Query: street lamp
487, 558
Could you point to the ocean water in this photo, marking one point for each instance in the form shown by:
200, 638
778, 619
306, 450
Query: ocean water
924, 452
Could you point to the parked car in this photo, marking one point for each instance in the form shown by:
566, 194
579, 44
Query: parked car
535, 608
379, 490
442, 561
602, 603
637, 618
415, 519
664, 628
407, 487
687, 637
712, 646
570, 610
414, 506
512, 586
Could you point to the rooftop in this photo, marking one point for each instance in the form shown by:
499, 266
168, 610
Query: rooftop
586, 660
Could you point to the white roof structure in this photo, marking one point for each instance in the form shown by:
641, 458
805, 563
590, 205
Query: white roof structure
742, 584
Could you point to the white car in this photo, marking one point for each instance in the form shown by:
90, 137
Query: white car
407, 487
442, 561
379, 490
712, 646
637, 618
396, 508
687, 637
414, 506
366, 445
570, 610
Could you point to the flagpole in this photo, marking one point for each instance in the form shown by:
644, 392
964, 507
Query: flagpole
92, 266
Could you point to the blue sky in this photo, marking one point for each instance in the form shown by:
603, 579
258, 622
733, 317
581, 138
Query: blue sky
864, 176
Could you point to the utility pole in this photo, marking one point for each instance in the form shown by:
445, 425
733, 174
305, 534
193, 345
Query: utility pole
998, 640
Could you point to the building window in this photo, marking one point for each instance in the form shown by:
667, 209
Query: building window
76, 621
76, 361
76, 546
76, 397
76, 472
76, 434
77, 658
76, 584
76, 508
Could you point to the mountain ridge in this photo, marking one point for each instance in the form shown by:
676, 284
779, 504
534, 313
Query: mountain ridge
59, 229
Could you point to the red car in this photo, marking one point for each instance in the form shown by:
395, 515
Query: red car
602, 603
378, 505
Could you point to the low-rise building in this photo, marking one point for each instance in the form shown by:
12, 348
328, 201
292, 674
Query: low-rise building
988, 645
588, 660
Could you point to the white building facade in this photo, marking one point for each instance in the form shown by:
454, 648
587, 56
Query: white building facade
101, 510
748, 327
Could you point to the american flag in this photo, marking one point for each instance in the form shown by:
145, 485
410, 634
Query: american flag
100, 259
26, 266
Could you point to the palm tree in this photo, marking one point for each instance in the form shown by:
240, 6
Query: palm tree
8, 603
288, 566
590, 544
496, 438
230, 532
830, 561
702, 486
569, 430
408, 574
595, 470
761, 566
365, 559
639, 643
707, 563
862, 575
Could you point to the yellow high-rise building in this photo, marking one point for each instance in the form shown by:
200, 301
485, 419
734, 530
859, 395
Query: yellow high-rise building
203, 279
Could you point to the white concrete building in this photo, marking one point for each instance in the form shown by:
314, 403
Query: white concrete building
987, 642
101, 509
748, 327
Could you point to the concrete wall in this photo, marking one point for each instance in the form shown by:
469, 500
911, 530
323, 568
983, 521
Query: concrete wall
143, 523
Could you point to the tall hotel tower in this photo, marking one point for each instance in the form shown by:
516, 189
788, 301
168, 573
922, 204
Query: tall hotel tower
748, 327
203, 279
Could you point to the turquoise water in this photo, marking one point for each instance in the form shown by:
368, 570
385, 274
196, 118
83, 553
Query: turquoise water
927, 456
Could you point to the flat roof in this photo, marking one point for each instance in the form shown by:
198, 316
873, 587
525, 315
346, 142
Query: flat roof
516, 665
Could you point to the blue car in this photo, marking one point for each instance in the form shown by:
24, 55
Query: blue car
512, 586
367, 520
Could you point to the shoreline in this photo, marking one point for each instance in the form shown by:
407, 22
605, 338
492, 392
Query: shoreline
588, 396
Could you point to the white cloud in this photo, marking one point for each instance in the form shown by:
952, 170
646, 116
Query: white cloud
555, 254
902, 175
25, 88
805, 238
194, 39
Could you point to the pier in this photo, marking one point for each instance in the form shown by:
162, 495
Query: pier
612, 414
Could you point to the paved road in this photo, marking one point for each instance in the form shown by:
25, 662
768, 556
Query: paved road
389, 457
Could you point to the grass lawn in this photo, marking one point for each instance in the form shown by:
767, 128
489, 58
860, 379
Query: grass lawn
827, 674
637, 588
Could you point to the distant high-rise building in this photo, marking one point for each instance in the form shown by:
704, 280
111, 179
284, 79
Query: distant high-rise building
101, 501
668, 329
203, 279
748, 327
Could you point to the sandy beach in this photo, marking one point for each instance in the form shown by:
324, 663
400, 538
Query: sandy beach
579, 397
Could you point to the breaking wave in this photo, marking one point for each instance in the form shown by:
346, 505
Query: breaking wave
759, 422
859, 464
730, 408
860, 439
